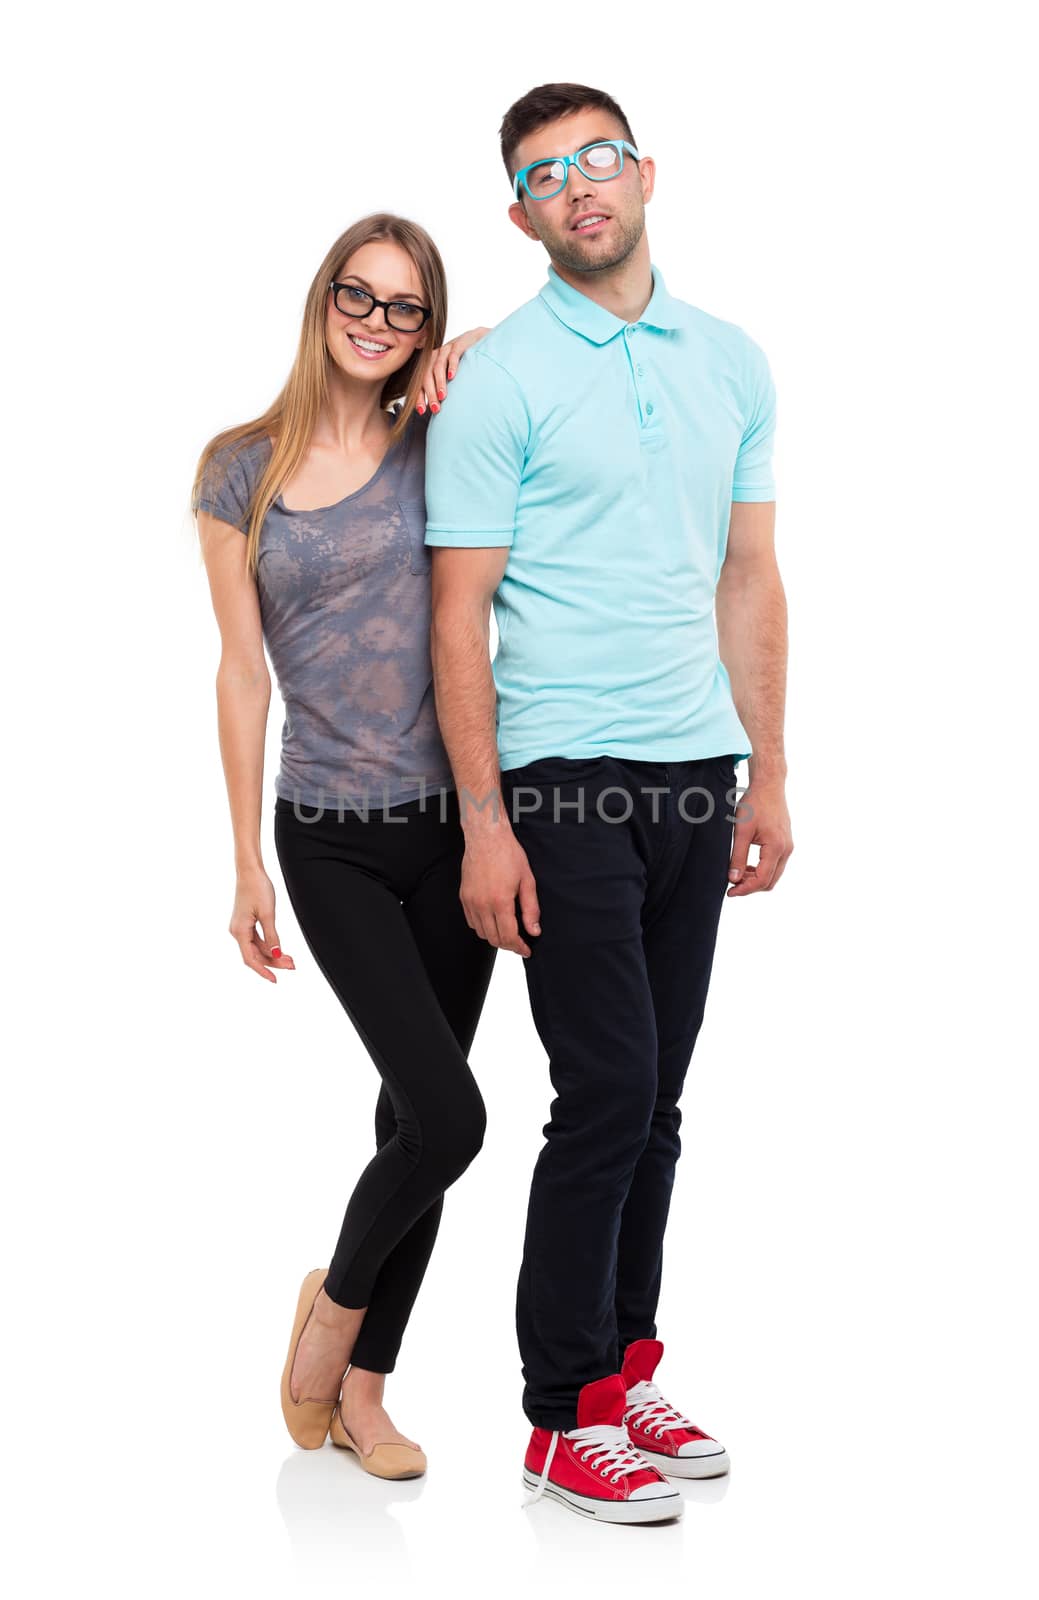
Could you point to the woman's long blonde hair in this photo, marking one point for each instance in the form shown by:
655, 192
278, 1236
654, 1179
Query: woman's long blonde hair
291, 418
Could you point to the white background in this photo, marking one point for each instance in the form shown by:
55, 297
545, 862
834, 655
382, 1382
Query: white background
850, 1260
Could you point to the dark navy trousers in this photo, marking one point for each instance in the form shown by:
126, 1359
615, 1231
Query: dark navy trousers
631, 861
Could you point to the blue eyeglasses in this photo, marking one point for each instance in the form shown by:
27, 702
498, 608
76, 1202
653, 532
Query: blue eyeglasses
542, 179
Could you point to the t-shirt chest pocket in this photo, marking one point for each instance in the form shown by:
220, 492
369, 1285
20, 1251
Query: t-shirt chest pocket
413, 513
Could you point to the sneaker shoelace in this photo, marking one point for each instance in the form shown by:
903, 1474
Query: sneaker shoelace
604, 1446
648, 1410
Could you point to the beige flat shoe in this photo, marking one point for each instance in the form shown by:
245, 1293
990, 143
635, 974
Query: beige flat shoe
382, 1460
306, 1419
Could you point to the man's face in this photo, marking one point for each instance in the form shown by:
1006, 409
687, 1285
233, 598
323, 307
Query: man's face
619, 201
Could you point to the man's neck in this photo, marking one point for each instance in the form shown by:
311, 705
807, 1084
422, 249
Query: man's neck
625, 289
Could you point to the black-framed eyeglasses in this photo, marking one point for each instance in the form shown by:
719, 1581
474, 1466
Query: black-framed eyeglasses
404, 315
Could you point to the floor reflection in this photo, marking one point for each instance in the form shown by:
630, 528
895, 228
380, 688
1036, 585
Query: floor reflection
336, 1514
560, 1533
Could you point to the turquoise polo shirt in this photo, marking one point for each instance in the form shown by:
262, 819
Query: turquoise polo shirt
605, 455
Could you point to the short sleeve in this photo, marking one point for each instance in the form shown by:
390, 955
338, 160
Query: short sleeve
753, 477
226, 487
475, 452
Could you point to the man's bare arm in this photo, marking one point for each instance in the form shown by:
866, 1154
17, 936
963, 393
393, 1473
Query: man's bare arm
751, 612
495, 870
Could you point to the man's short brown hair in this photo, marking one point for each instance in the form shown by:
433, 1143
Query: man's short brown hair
546, 103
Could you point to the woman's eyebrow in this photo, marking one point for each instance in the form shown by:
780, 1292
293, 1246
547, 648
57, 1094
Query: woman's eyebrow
405, 294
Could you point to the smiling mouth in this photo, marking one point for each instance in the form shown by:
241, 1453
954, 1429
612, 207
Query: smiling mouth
371, 349
589, 223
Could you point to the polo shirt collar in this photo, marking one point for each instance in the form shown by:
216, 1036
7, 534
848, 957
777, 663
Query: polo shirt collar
593, 321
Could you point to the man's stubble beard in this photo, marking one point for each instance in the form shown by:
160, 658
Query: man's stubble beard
630, 236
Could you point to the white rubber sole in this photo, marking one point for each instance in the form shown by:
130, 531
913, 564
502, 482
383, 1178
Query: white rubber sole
715, 1466
664, 1508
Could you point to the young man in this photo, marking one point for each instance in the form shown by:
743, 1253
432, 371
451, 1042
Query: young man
603, 473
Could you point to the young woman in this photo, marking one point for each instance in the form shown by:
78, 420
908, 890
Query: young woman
312, 525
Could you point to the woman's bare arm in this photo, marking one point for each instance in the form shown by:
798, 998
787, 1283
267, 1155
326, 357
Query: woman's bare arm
243, 694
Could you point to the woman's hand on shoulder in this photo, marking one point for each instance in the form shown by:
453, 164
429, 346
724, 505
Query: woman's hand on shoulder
442, 367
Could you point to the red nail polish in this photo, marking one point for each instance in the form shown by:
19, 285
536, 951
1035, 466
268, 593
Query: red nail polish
434, 407
421, 410
442, 393
275, 951
450, 374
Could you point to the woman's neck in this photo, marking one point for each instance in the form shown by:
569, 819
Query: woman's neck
352, 416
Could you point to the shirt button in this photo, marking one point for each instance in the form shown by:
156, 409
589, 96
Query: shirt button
641, 371
649, 410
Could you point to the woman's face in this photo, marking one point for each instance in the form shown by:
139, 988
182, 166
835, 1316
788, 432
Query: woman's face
367, 348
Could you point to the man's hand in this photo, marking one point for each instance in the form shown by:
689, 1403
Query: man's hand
767, 826
495, 873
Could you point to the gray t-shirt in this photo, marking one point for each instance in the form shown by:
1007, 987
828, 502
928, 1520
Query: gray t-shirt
345, 604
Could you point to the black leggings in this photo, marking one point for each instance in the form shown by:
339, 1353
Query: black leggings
377, 902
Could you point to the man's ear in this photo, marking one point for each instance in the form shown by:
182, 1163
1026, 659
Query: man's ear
648, 174
518, 213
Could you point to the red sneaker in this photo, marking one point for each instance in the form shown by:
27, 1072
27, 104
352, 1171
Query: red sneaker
594, 1468
661, 1434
